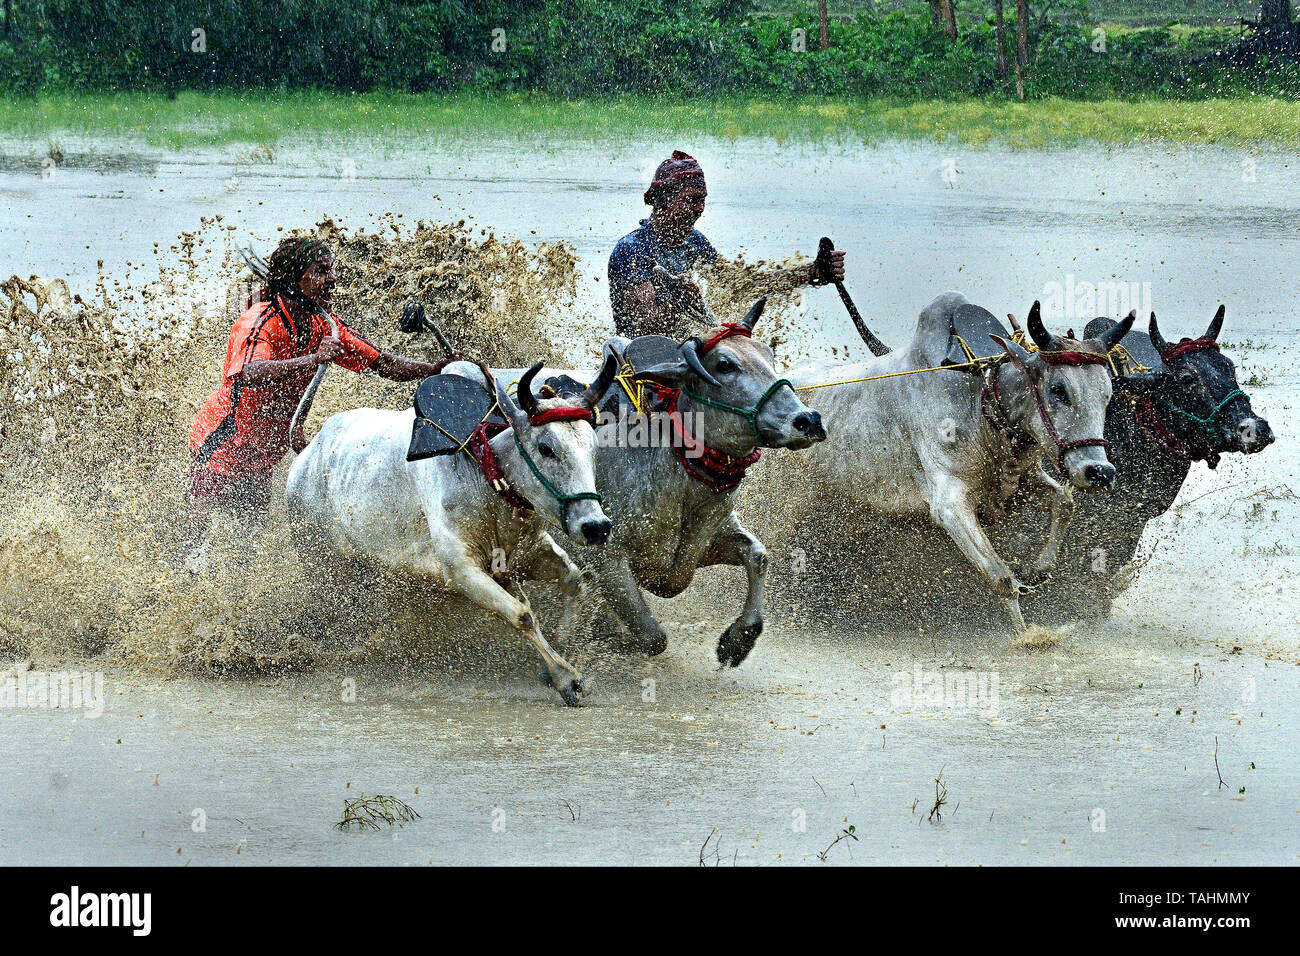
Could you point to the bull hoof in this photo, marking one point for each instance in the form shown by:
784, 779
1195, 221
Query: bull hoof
1035, 574
737, 641
1010, 586
571, 691
652, 646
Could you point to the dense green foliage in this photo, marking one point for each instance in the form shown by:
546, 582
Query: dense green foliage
595, 47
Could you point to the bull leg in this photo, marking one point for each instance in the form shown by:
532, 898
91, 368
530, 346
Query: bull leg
477, 585
1061, 506
624, 596
736, 546
950, 507
552, 563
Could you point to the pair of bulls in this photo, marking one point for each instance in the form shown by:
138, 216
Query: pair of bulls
543, 477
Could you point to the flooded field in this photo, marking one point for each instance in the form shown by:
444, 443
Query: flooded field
1166, 735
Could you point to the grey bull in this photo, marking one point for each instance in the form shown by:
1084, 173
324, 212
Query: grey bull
674, 507
353, 492
956, 446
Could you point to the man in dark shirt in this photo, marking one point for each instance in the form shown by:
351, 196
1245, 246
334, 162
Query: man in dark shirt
644, 303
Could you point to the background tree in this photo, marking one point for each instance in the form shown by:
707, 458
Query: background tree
949, 16
1002, 39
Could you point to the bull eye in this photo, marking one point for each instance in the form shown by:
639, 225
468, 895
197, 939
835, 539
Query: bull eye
724, 365
1187, 377
545, 450
1060, 393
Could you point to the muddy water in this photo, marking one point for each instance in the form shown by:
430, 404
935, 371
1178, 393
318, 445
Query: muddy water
1102, 747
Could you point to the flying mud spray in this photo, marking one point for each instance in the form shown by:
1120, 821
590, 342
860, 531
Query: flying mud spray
97, 392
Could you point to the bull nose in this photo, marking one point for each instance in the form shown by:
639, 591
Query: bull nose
1100, 476
596, 531
1255, 434
809, 424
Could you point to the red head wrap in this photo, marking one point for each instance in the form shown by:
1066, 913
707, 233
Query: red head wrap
671, 176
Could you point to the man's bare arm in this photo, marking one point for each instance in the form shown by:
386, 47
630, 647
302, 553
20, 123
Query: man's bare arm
401, 369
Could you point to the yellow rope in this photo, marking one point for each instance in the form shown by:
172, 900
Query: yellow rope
974, 361
634, 390
872, 378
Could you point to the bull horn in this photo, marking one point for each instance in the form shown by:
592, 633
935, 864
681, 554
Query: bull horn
1113, 335
1216, 325
1037, 331
509, 409
755, 311
596, 391
1157, 339
527, 400
691, 353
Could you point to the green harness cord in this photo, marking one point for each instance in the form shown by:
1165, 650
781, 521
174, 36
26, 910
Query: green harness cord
749, 414
564, 500
1206, 423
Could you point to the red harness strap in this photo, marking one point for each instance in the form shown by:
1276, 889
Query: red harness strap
712, 468
568, 413
487, 462
728, 329
1190, 345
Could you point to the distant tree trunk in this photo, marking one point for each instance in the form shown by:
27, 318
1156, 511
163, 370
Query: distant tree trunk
1002, 40
821, 15
949, 17
1022, 33
1275, 22
9, 18
935, 16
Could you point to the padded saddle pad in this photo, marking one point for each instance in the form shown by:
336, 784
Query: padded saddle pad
642, 352
457, 404
1138, 342
974, 324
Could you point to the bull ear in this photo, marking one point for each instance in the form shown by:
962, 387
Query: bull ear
1216, 325
596, 391
1112, 336
1038, 331
1157, 339
1139, 383
1019, 357
755, 311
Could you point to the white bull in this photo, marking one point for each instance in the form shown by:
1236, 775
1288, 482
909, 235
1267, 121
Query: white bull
439, 519
670, 520
955, 446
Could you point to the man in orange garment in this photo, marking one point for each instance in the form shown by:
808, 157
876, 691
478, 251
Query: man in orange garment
275, 348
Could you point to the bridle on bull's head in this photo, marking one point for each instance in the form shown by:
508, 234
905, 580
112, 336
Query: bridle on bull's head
1171, 353
694, 348
1143, 386
536, 416
1050, 353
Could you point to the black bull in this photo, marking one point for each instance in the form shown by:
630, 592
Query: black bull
1158, 424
